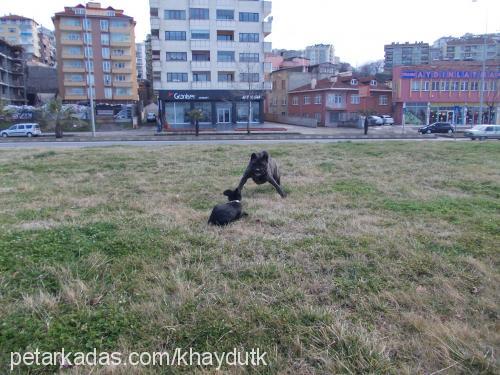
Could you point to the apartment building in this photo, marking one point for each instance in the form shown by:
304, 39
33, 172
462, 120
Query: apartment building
140, 55
320, 53
47, 41
210, 55
397, 54
96, 51
22, 31
472, 48
12, 74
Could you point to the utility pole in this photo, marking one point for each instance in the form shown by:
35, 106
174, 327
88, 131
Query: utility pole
89, 70
483, 72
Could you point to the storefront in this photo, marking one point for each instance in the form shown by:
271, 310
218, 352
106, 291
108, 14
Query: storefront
448, 92
219, 107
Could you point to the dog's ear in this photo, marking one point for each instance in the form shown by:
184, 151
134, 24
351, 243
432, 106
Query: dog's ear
253, 156
265, 155
228, 193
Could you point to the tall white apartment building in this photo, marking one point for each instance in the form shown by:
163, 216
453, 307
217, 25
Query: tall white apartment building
320, 54
140, 55
209, 55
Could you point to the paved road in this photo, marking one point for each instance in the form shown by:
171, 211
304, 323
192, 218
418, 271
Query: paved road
10, 145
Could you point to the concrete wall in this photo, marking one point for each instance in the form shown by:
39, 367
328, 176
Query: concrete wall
292, 120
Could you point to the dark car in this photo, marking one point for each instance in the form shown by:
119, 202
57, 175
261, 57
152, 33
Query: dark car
437, 127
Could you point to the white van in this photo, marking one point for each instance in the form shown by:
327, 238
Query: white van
483, 132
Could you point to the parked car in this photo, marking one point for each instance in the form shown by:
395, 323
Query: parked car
151, 117
375, 121
388, 120
22, 130
437, 127
483, 132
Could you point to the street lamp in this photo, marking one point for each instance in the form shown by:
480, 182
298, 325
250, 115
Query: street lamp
89, 71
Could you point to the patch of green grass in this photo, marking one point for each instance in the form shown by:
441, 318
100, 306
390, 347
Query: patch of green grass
372, 264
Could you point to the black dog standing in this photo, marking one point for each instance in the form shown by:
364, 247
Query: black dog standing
261, 169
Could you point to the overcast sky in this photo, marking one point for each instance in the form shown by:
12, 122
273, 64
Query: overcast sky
357, 28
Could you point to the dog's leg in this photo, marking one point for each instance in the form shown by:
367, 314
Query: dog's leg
277, 187
243, 180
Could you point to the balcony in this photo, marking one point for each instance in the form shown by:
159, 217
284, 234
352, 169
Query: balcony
201, 85
66, 55
155, 23
336, 105
267, 27
267, 8
199, 3
122, 70
226, 24
75, 83
228, 45
200, 45
157, 66
72, 42
155, 44
120, 43
63, 27
195, 65
226, 65
225, 3
123, 84
75, 97
121, 57
268, 47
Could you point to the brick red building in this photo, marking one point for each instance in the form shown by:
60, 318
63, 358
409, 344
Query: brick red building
340, 99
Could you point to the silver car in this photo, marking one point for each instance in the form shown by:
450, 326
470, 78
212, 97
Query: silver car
22, 130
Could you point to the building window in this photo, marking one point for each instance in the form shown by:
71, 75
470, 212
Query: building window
104, 25
79, 11
464, 86
335, 99
317, 99
295, 100
107, 79
199, 14
70, 22
119, 65
110, 13
373, 83
456, 86
225, 56
89, 66
120, 37
317, 116
153, 12
105, 39
249, 77
415, 85
105, 53
200, 34
177, 77
201, 76
200, 55
87, 38
355, 99
249, 17
120, 78
249, 37
106, 66
426, 86
354, 82
435, 86
249, 57
283, 84
383, 100
226, 36
119, 24
225, 77
307, 99
474, 86
176, 56
442, 86
123, 91
87, 24
174, 14
108, 93
225, 14
175, 35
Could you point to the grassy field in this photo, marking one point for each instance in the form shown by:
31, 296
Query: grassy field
384, 258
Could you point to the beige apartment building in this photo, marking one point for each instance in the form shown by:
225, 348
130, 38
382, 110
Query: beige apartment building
96, 51
21, 31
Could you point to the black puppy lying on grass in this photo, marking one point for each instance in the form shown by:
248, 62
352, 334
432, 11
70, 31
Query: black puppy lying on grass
224, 214
261, 169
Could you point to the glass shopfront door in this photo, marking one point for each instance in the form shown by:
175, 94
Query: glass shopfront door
223, 115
